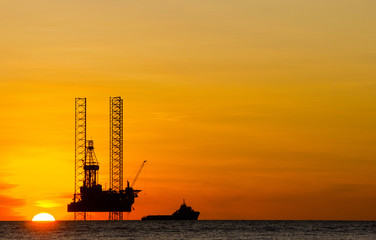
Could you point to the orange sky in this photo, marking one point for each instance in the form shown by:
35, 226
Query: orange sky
247, 109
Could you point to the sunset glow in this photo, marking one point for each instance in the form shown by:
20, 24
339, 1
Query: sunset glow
43, 217
248, 109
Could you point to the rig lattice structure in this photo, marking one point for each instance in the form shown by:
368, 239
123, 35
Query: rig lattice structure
89, 195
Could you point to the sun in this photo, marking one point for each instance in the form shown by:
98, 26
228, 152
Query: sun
43, 217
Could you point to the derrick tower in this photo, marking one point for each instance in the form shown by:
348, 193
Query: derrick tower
80, 151
91, 166
116, 150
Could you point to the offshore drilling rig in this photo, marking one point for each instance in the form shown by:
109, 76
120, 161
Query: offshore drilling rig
89, 195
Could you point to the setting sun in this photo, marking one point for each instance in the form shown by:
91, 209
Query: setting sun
45, 217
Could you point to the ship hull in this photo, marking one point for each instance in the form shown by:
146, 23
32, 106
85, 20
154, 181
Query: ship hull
193, 216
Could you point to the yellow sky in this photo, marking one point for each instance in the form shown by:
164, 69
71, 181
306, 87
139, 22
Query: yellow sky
247, 109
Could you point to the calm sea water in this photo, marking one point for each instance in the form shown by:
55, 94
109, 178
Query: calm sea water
189, 230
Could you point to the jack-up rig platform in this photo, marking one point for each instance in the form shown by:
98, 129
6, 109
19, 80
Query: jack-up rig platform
89, 195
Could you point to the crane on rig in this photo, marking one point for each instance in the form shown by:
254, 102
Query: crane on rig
138, 173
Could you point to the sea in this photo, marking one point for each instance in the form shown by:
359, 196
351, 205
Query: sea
278, 230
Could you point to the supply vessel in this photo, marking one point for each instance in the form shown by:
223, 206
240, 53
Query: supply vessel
183, 213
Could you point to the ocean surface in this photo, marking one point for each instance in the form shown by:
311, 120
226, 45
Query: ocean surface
189, 230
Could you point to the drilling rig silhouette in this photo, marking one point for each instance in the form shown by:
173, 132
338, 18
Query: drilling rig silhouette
89, 195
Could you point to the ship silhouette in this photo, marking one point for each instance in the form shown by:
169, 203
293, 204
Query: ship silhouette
183, 213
